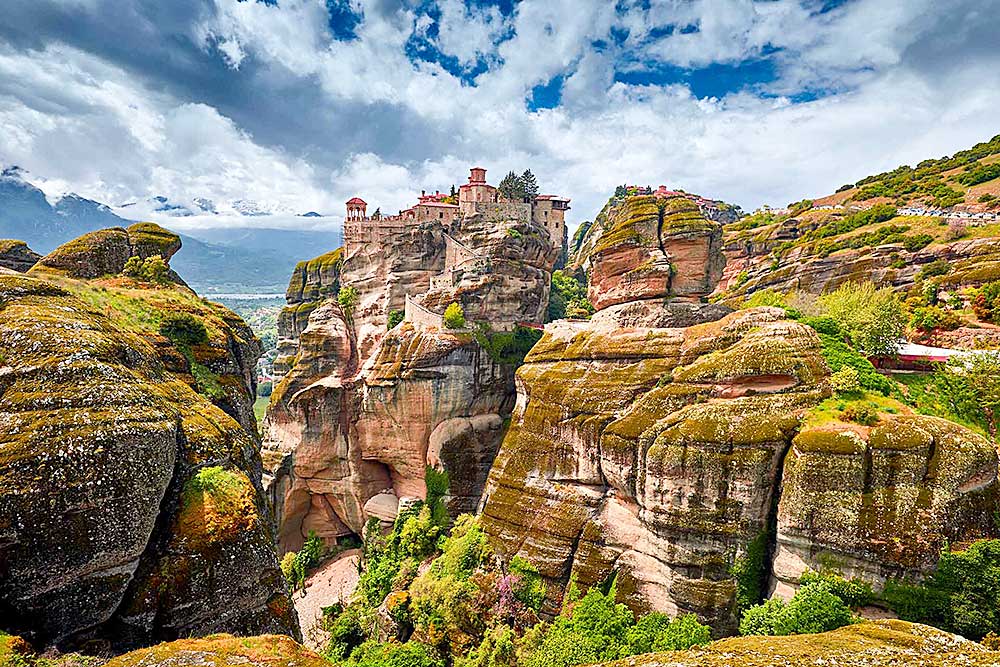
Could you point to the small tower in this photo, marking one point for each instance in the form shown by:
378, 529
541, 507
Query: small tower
476, 191
356, 208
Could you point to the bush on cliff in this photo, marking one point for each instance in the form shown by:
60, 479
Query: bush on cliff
970, 387
347, 299
184, 329
872, 319
152, 269
962, 596
568, 297
454, 316
814, 608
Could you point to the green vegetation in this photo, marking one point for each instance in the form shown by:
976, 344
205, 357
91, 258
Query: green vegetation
295, 565
962, 595
184, 329
854, 592
838, 226
970, 388
447, 600
979, 173
395, 317
507, 347
151, 270
750, 572
986, 302
568, 297
872, 319
519, 188
814, 608
347, 298
454, 316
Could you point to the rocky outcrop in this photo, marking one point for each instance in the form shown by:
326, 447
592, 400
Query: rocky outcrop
105, 251
17, 256
648, 247
264, 651
361, 410
666, 444
868, 644
131, 508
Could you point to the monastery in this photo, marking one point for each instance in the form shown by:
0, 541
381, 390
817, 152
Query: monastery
477, 197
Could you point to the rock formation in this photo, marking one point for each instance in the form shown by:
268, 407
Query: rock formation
869, 644
662, 450
131, 508
17, 256
362, 410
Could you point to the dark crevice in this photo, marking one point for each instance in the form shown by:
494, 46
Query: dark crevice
771, 528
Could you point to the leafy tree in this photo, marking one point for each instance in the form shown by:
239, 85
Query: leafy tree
152, 269
854, 592
529, 184
963, 594
348, 297
568, 297
970, 385
454, 316
133, 268
511, 187
814, 608
872, 319
395, 317
986, 302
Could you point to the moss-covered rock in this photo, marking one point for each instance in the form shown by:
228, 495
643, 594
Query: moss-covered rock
99, 440
223, 651
105, 251
868, 644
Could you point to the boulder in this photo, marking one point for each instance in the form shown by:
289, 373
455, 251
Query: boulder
17, 256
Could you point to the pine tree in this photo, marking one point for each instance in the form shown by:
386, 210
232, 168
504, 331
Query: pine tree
529, 185
512, 187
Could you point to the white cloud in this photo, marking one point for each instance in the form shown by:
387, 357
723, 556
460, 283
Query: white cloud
93, 127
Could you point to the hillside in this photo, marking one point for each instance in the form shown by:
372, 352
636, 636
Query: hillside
894, 228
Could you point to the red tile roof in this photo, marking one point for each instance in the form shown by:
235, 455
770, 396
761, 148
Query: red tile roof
357, 200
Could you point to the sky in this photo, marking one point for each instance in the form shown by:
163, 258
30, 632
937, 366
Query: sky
302, 104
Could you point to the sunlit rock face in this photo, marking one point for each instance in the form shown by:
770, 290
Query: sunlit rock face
362, 410
662, 441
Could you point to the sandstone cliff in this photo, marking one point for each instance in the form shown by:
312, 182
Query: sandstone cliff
131, 508
362, 410
670, 454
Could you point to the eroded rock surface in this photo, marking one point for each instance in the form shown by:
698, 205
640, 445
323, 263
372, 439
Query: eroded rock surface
658, 444
131, 508
17, 256
362, 410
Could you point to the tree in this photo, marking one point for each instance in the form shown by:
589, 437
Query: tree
454, 316
873, 319
155, 270
133, 268
511, 187
395, 317
970, 384
347, 297
529, 184
814, 608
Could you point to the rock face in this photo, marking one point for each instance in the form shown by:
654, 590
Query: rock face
751, 265
662, 453
17, 256
869, 644
131, 508
647, 247
362, 410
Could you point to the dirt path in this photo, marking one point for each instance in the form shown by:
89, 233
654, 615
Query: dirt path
334, 581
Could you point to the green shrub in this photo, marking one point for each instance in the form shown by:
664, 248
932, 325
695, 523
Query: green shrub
410, 654
854, 592
917, 242
395, 317
930, 318
814, 608
347, 298
986, 302
839, 354
152, 269
184, 329
568, 297
938, 267
749, 570
845, 381
962, 596
656, 632
764, 297
860, 413
264, 389
454, 316
970, 387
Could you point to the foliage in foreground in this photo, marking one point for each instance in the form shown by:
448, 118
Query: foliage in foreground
814, 608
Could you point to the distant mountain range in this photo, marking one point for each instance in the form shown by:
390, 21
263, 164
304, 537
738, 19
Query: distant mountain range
212, 260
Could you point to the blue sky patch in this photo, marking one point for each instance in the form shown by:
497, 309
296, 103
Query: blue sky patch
343, 20
547, 95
